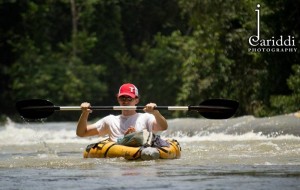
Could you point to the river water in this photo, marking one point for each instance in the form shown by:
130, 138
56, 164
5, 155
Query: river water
237, 153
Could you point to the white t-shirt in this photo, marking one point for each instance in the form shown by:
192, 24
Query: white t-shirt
116, 125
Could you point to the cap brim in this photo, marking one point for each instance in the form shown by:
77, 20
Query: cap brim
127, 94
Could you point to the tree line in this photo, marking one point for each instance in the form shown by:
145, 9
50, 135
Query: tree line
177, 52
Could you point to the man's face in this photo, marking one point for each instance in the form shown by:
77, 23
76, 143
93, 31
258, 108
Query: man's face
127, 101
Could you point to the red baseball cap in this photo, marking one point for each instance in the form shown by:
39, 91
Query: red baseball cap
128, 90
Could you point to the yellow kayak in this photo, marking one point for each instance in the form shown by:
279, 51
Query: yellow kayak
108, 149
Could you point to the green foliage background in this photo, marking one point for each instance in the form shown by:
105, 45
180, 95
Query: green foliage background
177, 52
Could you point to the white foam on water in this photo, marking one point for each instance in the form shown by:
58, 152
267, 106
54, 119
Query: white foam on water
27, 133
250, 136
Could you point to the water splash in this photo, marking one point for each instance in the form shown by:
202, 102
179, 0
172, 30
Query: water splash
245, 128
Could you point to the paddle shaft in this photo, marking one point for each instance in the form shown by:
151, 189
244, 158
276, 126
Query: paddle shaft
68, 108
171, 108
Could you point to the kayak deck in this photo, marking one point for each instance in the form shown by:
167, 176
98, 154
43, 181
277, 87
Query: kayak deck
108, 149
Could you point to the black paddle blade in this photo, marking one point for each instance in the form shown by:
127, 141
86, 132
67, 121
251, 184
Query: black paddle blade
35, 108
218, 108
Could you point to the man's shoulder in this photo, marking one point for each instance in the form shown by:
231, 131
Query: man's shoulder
145, 115
111, 117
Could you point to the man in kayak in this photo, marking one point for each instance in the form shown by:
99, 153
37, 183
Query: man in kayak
129, 121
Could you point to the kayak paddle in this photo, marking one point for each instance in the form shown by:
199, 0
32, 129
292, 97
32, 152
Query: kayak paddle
211, 108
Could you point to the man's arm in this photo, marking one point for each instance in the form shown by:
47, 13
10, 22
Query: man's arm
83, 129
160, 123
